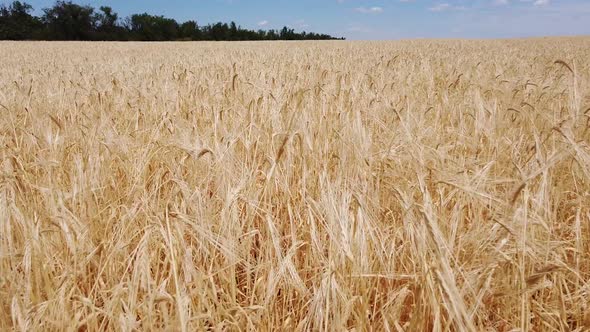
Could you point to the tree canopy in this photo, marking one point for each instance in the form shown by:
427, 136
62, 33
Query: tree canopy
66, 20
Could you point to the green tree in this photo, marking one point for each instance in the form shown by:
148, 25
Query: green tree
153, 28
106, 24
17, 23
189, 30
288, 34
233, 31
219, 31
69, 21
66, 20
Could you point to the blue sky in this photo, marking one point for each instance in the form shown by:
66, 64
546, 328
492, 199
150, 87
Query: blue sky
376, 19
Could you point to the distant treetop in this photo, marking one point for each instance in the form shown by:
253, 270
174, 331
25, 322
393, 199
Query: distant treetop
66, 20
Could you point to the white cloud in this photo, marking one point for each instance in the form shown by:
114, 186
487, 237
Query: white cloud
262, 23
369, 10
301, 24
480, 19
440, 7
537, 3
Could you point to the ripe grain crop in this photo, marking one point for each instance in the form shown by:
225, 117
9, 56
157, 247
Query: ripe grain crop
390, 186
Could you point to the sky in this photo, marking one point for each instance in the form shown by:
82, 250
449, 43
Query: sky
374, 19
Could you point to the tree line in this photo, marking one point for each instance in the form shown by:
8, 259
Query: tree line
66, 20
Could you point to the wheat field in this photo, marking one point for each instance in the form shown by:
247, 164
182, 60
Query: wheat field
426, 185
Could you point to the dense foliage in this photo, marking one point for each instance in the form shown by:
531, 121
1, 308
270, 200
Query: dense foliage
69, 21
